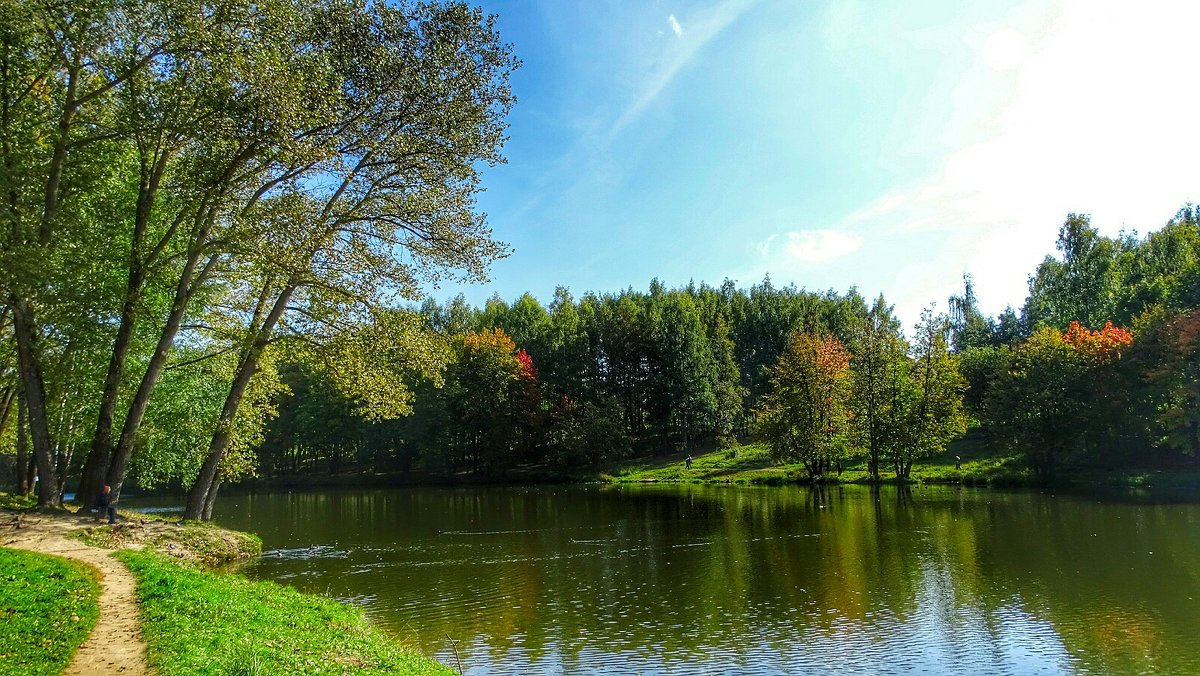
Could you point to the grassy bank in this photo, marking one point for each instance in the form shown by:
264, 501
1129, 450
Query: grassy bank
197, 622
48, 606
752, 464
205, 544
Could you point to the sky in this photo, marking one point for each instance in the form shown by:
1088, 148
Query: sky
892, 146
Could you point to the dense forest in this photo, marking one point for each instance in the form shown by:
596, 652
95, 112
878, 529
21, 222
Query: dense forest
218, 223
1099, 366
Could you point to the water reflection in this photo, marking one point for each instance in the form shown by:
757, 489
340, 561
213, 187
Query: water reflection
749, 580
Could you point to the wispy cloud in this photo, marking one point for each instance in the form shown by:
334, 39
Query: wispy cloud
675, 27
811, 246
702, 29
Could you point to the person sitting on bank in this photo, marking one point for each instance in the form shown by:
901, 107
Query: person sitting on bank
105, 502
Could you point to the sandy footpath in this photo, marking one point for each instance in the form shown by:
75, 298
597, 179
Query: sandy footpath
115, 645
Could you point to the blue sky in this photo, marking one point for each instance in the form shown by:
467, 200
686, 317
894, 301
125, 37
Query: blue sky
888, 145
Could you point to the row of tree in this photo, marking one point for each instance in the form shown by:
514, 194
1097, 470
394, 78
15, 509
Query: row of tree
191, 188
583, 382
822, 377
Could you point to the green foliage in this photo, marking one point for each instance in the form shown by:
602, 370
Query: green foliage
586, 433
933, 415
1034, 407
805, 416
882, 382
255, 625
49, 606
1165, 364
1084, 285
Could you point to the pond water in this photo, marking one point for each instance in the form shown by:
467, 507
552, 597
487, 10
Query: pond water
700, 579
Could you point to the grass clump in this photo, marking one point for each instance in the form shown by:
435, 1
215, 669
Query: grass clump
201, 543
197, 622
48, 606
17, 501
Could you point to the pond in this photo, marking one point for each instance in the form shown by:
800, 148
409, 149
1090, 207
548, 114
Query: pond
713, 579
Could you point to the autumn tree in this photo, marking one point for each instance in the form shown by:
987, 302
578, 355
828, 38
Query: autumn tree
804, 417
1040, 403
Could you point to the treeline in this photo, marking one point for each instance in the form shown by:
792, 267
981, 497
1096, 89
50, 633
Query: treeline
576, 383
1100, 366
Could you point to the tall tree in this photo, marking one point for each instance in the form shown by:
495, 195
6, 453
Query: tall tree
881, 374
935, 414
423, 93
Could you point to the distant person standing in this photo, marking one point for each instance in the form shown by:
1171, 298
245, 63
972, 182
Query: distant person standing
105, 502
958, 462
688, 462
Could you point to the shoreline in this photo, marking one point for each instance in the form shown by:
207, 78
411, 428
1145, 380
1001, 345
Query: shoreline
180, 612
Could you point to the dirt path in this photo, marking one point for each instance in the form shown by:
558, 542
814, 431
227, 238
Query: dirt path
115, 645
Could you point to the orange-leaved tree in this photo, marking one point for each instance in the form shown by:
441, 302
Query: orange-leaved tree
804, 417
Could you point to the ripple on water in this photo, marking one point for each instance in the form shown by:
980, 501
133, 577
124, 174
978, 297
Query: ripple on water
306, 553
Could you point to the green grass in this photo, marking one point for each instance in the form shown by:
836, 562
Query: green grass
18, 502
752, 464
48, 606
197, 622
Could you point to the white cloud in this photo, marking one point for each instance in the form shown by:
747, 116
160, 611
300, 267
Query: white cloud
813, 246
1098, 118
675, 27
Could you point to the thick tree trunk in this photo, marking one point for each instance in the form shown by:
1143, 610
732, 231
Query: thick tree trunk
221, 437
34, 386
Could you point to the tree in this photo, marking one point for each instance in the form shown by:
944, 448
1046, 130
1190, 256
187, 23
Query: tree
688, 371
934, 415
804, 416
419, 104
1049, 392
969, 327
880, 374
1166, 361
1084, 285
491, 391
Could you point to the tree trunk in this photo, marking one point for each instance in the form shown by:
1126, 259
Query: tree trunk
24, 481
211, 498
221, 437
189, 282
34, 386
7, 401
101, 453
98, 458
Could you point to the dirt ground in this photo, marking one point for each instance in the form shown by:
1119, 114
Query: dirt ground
115, 645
